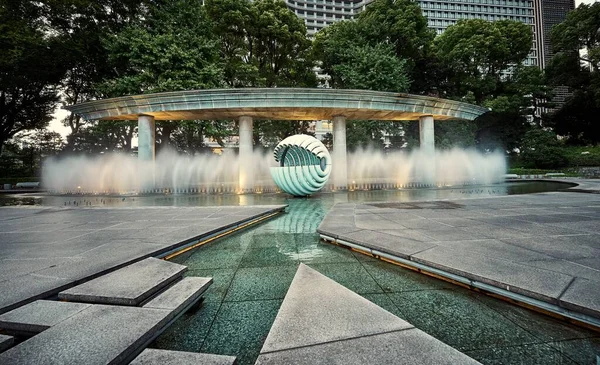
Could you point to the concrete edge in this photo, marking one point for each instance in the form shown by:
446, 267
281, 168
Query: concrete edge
161, 253
556, 309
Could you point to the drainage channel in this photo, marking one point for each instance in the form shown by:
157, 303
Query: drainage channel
515, 298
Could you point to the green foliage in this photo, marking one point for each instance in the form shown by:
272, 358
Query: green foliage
268, 133
173, 49
371, 68
233, 25
477, 53
362, 134
582, 155
189, 136
453, 133
24, 154
577, 119
105, 136
262, 43
281, 49
541, 149
30, 69
401, 25
81, 26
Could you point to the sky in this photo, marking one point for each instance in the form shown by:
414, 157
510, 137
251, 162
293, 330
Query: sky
60, 114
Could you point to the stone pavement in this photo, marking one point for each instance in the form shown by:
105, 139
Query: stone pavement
45, 250
322, 322
76, 333
166, 357
541, 247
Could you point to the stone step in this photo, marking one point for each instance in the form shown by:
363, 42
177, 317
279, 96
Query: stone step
166, 357
182, 294
130, 285
38, 316
98, 335
6, 342
322, 322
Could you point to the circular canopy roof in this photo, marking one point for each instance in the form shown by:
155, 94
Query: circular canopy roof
277, 104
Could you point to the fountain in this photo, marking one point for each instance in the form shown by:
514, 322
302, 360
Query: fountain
213, 174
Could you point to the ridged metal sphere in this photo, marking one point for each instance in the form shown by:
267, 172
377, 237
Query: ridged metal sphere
304, 165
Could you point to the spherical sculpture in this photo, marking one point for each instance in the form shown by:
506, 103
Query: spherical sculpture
304, 165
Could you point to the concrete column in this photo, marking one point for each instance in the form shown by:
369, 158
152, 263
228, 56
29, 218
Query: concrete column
426, 135
146, 138
339, 159
246, 176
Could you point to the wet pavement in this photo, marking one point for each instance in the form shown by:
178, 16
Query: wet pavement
252, 272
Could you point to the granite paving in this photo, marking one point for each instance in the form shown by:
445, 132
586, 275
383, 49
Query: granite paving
98, 335
545, 246
166, 357
38, 316
130, 285
240, 307
44, 250
322, 322
181, 294
6, 342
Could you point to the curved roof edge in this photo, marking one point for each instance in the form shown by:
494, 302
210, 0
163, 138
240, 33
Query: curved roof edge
276, 103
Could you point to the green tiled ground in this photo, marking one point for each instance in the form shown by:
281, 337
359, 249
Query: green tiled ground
252, 271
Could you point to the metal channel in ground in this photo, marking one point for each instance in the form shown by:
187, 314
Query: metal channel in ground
225, 231
519, 299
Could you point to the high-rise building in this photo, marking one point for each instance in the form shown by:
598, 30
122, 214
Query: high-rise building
317, 14
548, 14
441, 14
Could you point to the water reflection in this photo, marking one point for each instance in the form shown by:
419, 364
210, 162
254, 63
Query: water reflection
330, 198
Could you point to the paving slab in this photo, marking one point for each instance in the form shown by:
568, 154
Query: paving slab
534, 282
180, 295
408, 347
46, 250
402, 246
322, 310
38, 316
583, 295
130, 285
544, 246
166, 357
6, 342
98, 335
322, 322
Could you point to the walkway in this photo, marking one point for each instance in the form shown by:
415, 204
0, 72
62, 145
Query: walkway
44, 250
540, 249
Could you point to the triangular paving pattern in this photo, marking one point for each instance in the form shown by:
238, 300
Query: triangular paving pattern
322, 322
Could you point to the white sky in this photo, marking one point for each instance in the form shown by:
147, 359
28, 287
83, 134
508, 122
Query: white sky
60, 114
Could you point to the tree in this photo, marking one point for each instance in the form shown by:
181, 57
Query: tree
173, 49
281, 48
263, 43
268, 133
483, 62
479, 53
353, 63
189, 137
580, 71
541, 149
579, 31
401, 25
28, 92
233, 25
82, 25
105, 136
